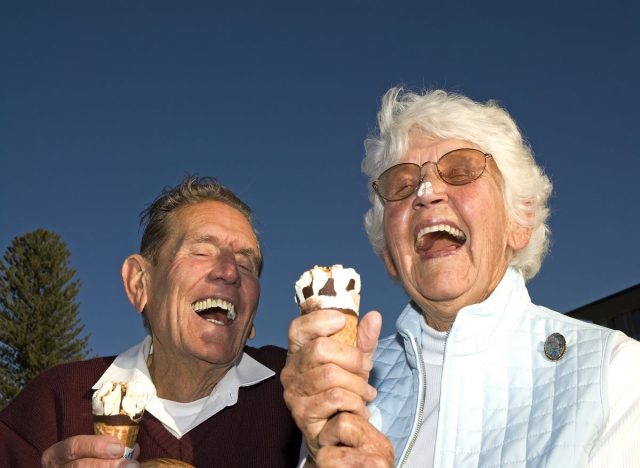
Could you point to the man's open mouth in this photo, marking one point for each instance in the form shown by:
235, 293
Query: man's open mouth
215, 310
439, 239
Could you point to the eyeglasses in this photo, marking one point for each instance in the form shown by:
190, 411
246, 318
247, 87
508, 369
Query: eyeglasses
458, 167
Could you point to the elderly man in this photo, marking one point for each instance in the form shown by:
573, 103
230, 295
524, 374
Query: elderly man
216, 402
476, 374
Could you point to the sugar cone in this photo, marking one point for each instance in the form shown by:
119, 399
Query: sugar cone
127, 433
162, 462
348, 334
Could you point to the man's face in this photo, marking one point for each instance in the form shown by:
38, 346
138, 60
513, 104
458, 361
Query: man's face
207, 268
447, 269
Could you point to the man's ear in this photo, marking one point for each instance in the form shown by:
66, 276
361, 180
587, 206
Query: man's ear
252, 333
135, 280
389, 264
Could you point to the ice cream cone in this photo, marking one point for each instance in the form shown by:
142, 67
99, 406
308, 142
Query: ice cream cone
117, 410
127, 433
348, 334
335, 288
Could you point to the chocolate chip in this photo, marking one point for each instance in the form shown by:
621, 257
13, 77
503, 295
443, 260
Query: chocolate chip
328, 289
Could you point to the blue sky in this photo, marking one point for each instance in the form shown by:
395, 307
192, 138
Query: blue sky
104, 103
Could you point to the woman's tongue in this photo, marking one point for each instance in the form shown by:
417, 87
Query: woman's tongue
439, 242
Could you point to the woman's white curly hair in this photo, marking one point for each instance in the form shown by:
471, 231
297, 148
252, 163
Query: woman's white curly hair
453, 116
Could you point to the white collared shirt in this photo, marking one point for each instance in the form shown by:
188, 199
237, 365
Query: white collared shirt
131, 365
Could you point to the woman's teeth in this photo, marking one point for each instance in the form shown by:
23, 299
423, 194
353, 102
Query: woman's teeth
455, 232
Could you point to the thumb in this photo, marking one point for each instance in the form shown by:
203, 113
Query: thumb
369, 331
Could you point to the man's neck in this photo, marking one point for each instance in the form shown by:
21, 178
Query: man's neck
176, 381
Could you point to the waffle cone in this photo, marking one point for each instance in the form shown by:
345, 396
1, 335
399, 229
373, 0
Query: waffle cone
348, 334
126, 433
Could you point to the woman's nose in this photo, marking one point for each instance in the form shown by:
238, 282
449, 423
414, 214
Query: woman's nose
426, 187
432, 188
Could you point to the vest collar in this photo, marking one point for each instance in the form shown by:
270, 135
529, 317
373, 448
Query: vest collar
476, 325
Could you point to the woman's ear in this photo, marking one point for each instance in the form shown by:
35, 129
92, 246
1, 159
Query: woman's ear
134, 279
519, 235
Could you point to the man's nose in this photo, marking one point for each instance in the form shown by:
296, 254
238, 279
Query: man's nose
225, 267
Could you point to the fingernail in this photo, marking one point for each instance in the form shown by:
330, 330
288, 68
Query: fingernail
115, 449
368, 364
337, 320
373, 392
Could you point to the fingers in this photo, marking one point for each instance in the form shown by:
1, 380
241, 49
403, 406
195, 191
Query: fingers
82, 447
344, 457
350, 440
369, 331
326, 351
323, 377
345, 429
311, 413
313, 325
318, 393
312, 380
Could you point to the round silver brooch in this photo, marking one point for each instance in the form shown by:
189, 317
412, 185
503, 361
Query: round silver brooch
555, 346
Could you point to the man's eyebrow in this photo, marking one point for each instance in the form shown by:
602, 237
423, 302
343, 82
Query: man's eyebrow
253, 254
206, 238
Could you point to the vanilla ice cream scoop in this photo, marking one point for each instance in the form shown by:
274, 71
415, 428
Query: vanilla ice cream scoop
332, 287
113, 398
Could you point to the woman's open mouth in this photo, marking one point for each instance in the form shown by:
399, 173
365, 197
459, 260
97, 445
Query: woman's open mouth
439, 240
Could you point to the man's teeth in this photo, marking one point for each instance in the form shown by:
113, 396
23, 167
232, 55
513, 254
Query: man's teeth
205, 304
455, 232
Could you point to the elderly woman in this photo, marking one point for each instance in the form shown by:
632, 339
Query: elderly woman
476, 374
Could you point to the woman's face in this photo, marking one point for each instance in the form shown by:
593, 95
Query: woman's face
445, 270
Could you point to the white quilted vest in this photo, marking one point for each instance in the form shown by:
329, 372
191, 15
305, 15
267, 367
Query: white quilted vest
503, 403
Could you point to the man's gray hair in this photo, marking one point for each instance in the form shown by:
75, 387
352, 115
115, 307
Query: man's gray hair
192, 190
452, 116
154, 220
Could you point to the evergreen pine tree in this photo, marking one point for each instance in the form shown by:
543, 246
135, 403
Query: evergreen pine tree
39, 324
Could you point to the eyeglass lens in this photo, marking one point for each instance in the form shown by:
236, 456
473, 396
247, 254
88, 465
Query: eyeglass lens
458, 167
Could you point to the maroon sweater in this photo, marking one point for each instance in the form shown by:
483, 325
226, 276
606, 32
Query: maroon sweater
256, 431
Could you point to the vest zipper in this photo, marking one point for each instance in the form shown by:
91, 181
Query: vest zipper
444, 355
421, 397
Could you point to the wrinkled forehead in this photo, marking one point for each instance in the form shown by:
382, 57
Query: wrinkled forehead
191, 222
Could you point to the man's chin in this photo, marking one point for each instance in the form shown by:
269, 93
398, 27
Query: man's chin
220, 353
